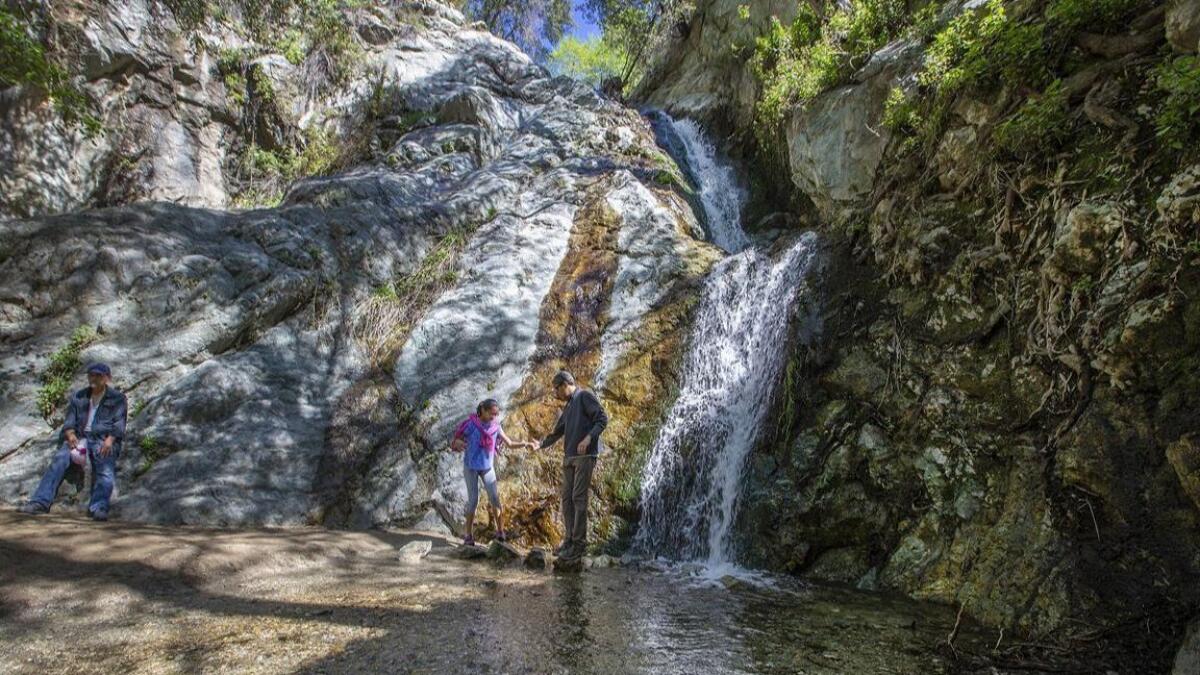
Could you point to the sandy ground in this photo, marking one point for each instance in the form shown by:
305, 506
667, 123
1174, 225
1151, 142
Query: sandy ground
77, 596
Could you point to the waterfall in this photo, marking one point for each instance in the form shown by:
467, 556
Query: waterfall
716, 182
692, 479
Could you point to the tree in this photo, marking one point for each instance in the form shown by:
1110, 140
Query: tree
593, 60
635, 29
533, 25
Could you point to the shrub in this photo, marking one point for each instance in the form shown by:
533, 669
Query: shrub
1177, 121
1039, 126
796, 63
980, 49
56, 378
23, 61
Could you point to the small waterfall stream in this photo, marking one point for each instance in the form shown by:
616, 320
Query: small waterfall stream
692, 479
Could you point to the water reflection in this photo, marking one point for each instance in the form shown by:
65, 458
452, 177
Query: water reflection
628, 621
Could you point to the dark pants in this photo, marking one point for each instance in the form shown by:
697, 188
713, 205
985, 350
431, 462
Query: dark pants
577, 479
104, 473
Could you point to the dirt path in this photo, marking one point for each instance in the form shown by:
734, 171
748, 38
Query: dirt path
119, 597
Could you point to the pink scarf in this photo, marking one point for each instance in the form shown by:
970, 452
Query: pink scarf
487, 432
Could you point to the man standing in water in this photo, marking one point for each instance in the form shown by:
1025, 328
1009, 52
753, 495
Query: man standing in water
579, 425
96, 425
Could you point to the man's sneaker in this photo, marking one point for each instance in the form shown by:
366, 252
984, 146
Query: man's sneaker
100, 515
32, 509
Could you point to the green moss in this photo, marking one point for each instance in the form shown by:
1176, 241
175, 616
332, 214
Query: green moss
56, 378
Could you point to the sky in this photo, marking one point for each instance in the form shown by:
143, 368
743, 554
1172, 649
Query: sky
583, 28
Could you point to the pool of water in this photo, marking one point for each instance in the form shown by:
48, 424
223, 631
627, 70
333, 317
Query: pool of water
626, 620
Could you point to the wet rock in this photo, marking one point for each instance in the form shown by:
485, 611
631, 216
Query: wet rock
413, 551
732, 583
472, 552
1184, 456
602, 560
1183, 25
1187, 659
568, 565
504, 552
536, 559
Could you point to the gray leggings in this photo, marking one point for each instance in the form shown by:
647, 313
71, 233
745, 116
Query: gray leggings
472, 477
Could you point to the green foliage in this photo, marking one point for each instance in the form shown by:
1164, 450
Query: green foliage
982, 48
592, 60
23, 61
1039, 126
56, 378
900, 113
291, 45
1096, 16
637, 29
1177, 121
148, 443
795, 63
269, 171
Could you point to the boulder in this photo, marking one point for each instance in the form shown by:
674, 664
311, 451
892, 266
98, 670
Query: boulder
568, 565
1183, 25
503, 552
536, 559
413, 551
1082, 242
470, 552
1187, 659
832, 161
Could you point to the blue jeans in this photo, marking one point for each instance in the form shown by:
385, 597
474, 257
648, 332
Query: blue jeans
104, 475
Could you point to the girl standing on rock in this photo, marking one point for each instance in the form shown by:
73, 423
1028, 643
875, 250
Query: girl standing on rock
480, 436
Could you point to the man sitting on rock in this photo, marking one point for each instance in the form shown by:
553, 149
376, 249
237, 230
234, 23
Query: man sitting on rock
581, 422
95, 420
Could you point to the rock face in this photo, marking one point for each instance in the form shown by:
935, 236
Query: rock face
832, 160
703, 74
306, 363
166, 117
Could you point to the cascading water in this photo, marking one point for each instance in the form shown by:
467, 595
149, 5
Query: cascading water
720, 194
692, 480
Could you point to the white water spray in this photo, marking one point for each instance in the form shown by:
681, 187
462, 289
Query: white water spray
692, 479
719, 191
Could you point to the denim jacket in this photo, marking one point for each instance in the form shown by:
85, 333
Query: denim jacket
109, 419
